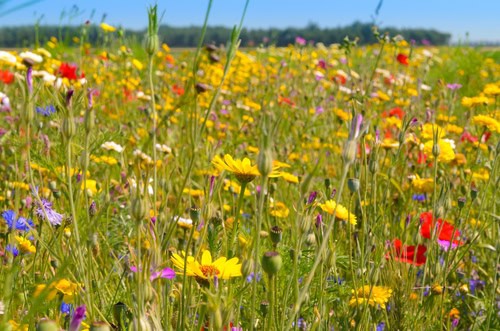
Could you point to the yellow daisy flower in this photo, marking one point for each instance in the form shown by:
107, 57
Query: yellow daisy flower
279, 209
207, 269
483, 120
244, 171
375, 296
341, 212
25, 245
446, 152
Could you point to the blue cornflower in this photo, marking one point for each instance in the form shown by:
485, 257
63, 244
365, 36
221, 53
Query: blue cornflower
380, 326
66, 308
12, 249
419, 197
21, 223
251, 277
47, 111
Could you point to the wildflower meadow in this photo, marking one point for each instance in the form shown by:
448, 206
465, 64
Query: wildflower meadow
308, 187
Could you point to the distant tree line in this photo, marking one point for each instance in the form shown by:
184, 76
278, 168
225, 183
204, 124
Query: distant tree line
26, 36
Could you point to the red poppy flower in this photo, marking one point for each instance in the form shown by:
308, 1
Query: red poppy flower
403, 59
6, 77
468, 136
409, 254
394, 112
340, 79
68, 71
284, 100
446, 231
179, 90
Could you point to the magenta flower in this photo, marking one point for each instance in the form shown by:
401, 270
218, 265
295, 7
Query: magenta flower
166, 273
77, 318
300, 41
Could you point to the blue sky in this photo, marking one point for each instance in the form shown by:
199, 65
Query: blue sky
480, 18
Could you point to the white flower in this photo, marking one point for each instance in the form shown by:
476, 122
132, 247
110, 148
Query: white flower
427, 53
112, 146
184, 221
2, 308
451, 142
163, 148
31, 56
7, 57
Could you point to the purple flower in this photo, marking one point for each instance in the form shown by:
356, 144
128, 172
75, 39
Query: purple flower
77, 318
380, 326
166, 273
445, 244
29, 79
312, 197
454, 86
212, 182
45, 211
300, 41
319, 110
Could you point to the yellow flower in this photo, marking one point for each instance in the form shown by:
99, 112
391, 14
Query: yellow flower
491, 89
341, 212
244, 171
429, 129
278, 209
91, 186
67, 288
446, 152
138, 64
375, 296
193, 192
289, 177
207, 269
483, 120
475, 101
107, 28
232, 186
422, 185
482, 174
63, 286
25, 245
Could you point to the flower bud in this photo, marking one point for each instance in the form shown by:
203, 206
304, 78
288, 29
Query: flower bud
140, 324
99, 326
271, 262
436, 150
247, 267
68, 128
138, 208
276, 235
89, 120
310, 239
194, 214
353, 185
461, 202
47, 325
264, 308
152, 43
349, 151
120, 314
265, 162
